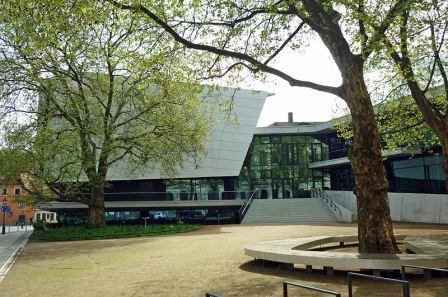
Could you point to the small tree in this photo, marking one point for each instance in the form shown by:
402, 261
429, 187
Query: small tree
417, 45
85, 88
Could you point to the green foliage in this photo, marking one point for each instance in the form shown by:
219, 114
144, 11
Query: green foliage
40, 226
400, 123
83, 233
84, 88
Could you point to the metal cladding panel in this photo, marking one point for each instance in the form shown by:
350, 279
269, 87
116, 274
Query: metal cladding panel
226, 145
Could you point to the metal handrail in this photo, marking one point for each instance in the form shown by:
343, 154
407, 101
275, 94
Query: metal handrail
243, 209
286, 283
211, 295
403, 269
324, 196
176, 195
405, 283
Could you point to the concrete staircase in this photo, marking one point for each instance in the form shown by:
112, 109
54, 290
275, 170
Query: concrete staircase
288, 211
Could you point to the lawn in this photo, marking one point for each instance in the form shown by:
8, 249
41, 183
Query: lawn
83, 233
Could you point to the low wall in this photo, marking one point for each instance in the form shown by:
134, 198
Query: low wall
404, 207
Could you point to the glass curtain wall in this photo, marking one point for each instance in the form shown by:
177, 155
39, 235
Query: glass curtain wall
420, 174
277, 165
195, 189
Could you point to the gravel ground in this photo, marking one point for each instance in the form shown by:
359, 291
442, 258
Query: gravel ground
210, 259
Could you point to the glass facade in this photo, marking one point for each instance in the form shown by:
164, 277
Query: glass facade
419, 174
342, 178
277, 165
422, 174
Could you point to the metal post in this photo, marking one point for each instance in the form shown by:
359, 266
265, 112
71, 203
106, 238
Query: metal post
285, 289
350, 293
3, 226
406, 292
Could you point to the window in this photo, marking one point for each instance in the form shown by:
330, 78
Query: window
276, 139
16, 192
265, 139
4, 191
265, 174
37, 216
290, 154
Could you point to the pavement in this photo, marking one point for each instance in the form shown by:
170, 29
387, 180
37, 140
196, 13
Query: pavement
11, 244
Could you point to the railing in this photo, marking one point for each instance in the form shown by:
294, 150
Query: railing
404, 283
244, 208
286, 284
426, 270
176, 196
211, 295
18, 228
319, 193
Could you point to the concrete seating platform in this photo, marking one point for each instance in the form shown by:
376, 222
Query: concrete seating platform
428, 252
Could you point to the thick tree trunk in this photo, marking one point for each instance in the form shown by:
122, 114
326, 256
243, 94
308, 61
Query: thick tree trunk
374, 222
96, 208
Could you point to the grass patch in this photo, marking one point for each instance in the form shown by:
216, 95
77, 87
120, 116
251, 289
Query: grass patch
83, 233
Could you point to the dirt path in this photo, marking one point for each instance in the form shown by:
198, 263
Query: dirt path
211, 259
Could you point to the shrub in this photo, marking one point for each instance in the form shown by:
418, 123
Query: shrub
40, 226
83, 233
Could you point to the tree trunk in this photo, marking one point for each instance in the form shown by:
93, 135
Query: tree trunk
375, 230
444, 144
96, 208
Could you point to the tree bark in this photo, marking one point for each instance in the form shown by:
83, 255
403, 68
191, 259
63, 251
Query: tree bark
375, 231
444, 144
96, 208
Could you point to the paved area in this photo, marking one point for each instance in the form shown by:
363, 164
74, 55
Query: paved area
10, 244
210, 259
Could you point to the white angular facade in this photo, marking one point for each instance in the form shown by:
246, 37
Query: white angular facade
226, 145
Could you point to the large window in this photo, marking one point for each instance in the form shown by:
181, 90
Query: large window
278, 165
422, 174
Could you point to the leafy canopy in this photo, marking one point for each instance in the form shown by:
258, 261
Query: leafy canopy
84, 88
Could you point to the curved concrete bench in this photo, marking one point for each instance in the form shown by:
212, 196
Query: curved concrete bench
428, 252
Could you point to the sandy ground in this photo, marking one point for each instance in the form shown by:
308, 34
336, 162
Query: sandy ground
210, 259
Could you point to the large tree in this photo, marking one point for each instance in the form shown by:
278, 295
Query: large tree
85, 88
250, 34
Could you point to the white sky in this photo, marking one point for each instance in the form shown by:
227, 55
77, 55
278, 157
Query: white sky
313, 64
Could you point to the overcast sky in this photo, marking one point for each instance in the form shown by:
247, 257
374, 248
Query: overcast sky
314, 64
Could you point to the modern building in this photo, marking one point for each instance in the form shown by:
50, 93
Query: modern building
284, 160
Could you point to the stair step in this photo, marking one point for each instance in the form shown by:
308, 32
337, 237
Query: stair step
288, 211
